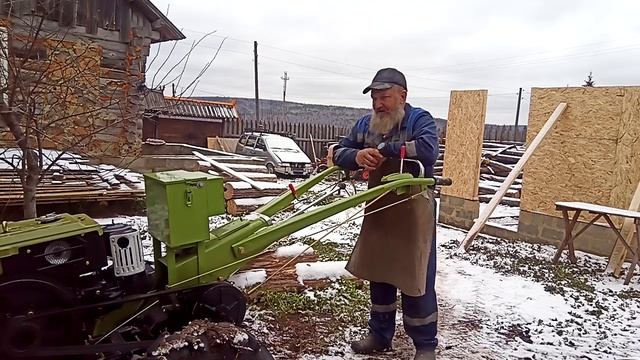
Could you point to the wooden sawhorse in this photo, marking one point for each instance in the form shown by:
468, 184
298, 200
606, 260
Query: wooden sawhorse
600, 212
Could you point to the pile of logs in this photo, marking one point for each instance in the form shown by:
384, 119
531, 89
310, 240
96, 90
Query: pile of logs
241, 197
497, 162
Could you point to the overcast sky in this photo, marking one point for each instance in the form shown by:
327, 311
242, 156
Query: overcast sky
331, 49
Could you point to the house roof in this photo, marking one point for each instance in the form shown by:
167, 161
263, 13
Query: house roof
159, 22
156, 104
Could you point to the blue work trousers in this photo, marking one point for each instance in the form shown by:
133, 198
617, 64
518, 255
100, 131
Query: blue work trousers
420, 313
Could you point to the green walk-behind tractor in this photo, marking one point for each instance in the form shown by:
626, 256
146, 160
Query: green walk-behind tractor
71, 288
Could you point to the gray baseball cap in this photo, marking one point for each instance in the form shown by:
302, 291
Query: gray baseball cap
385, 79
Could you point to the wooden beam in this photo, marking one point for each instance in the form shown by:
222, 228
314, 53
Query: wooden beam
229, 171
619, 253
92, 17
486, 212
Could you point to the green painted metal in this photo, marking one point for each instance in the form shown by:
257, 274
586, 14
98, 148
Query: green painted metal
224, 250
205, 257
179, 204
259, 241
285, 199
18, 234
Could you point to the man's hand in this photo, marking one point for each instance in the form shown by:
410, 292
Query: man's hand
369, 158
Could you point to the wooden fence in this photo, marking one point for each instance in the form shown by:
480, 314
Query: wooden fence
497, 133
323, 134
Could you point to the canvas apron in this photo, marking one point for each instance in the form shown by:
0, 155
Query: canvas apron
394, 244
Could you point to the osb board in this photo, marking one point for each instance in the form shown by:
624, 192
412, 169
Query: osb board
590, 154
627, 160
222, 144
465, 131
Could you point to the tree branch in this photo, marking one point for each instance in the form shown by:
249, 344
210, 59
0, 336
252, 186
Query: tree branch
205, 68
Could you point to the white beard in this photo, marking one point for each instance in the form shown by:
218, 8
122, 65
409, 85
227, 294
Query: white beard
382, 123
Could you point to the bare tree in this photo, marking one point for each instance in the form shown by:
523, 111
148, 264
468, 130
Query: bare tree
49, 87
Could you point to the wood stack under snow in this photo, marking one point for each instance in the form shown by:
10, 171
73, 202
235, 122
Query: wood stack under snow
497, 162
240, 195
68, 178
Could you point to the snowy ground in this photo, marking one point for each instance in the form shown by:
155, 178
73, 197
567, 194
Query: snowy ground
501, 300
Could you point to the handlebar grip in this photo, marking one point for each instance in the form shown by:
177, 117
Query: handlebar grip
443, 181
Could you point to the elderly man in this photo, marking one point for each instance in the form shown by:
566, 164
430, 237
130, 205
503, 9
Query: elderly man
396, 248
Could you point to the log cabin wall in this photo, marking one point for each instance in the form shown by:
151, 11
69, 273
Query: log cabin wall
119, 34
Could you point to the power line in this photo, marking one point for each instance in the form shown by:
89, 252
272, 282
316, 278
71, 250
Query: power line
369, 69
492, 60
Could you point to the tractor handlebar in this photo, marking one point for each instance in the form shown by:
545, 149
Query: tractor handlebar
443, 181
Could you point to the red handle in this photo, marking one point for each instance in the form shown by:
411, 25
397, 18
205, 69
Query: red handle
293, 190
403, 152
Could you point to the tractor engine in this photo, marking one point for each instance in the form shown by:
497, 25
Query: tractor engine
63, 261
131, 273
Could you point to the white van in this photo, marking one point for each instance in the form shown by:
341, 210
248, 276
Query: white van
281, 154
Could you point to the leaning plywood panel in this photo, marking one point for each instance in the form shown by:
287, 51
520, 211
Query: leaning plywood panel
626, 172
578, 162
465, 130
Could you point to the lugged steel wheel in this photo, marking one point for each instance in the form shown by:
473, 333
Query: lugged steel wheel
19, 333
222, 302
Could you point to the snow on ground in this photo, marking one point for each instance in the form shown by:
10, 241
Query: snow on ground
504, 216
294, 250
332, 270
501, 300
248, 278
325, 230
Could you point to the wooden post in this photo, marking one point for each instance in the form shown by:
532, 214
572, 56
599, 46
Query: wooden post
255, 69
619, 253
486, 212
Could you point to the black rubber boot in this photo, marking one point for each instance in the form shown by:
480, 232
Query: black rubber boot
370, 345
425, 355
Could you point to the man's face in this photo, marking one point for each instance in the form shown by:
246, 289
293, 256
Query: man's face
389, 100
388, 109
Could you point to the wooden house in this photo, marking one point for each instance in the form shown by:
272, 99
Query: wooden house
187, 121
110, 41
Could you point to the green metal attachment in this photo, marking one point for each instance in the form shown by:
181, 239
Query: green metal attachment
179, 204
178, 210
18, 234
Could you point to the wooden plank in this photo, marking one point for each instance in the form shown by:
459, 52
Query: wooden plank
228, 170
486, 212
597, 209
91, 20
67, 13
619, 253
242, 190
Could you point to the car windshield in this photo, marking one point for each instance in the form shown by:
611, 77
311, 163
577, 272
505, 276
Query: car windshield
280, 143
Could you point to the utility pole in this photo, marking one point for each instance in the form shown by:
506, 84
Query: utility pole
255, 70
284, 78
518, 109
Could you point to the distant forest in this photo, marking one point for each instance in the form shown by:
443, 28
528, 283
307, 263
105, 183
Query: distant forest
273, 110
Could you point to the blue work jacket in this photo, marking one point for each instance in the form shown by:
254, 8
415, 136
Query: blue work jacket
418, 132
